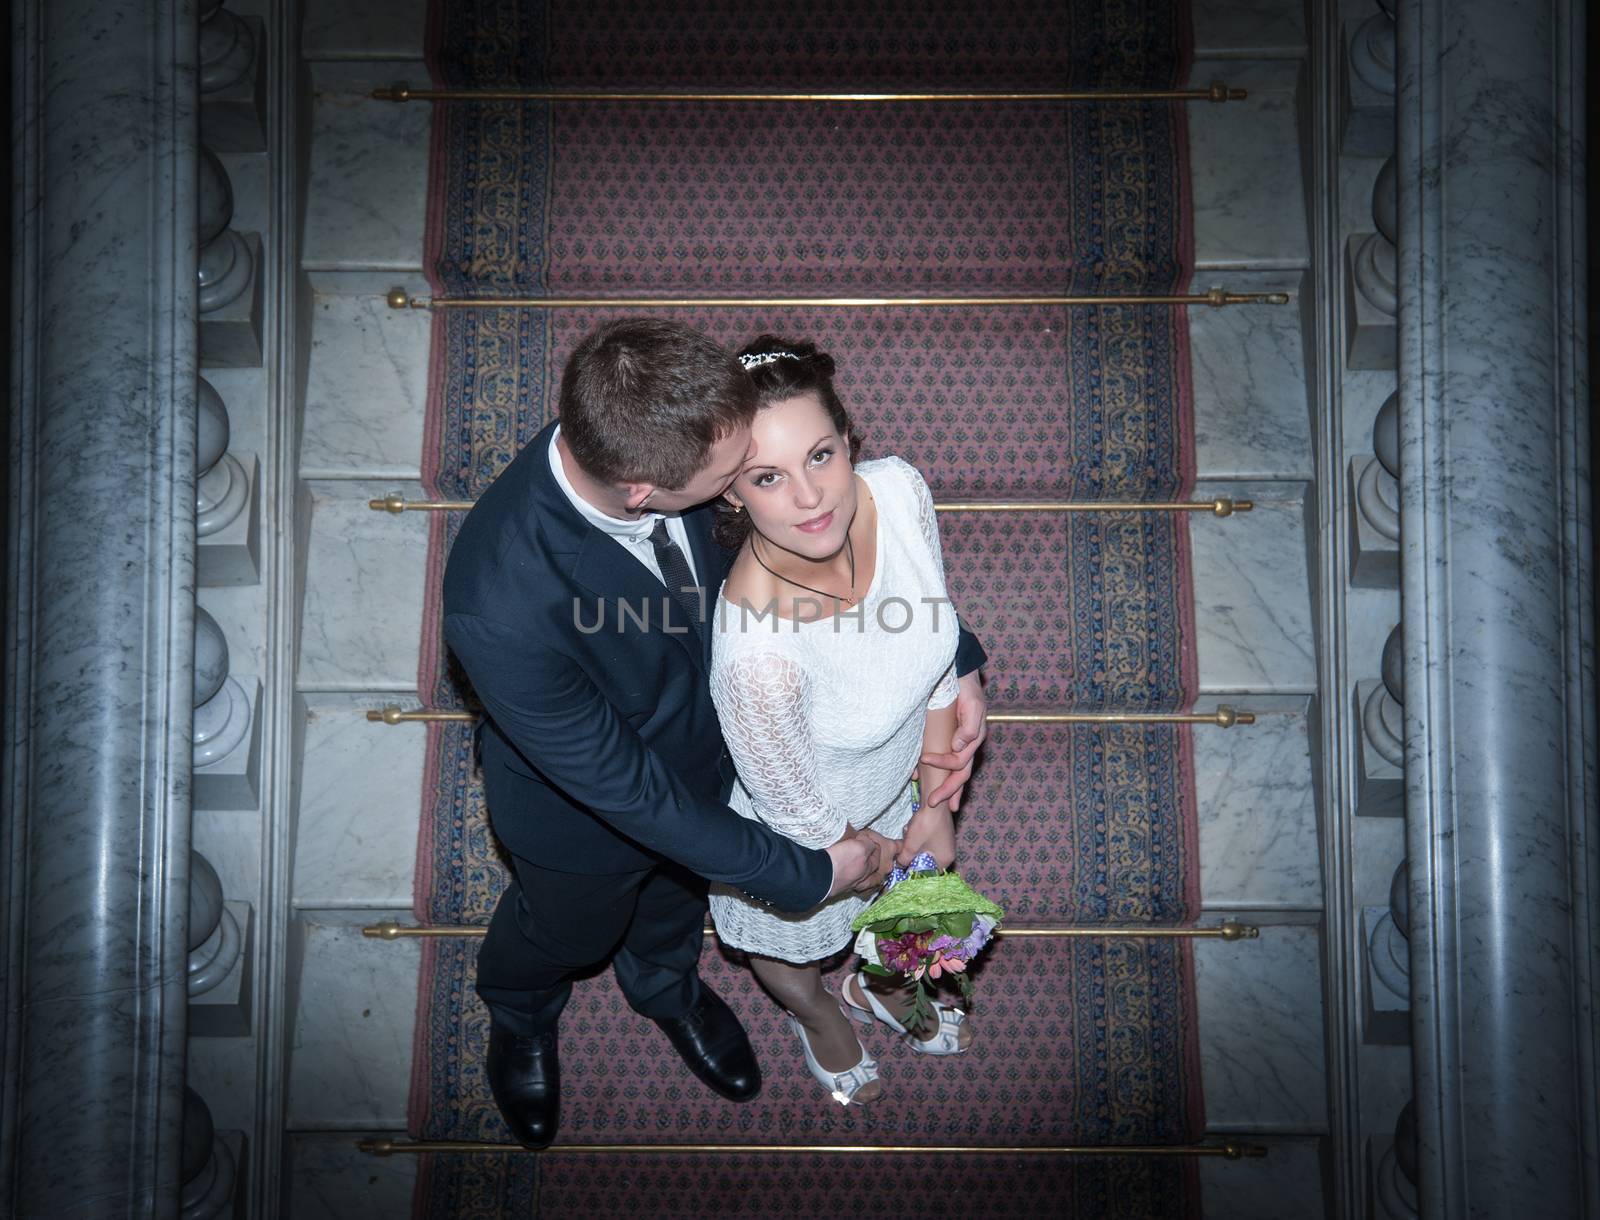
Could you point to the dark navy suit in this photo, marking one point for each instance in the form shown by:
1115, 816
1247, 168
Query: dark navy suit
603, 764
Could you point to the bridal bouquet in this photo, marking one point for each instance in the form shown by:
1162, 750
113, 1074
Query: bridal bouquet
925, 925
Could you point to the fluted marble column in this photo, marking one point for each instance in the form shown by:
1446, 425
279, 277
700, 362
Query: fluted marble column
1498, 616
100, 607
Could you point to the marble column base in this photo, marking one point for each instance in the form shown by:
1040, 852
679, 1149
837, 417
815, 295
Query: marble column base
234, 119
224, 1011
232, 555
220, 1192
1370, 334
1374, 556
1380, 784
234, 781
230, 337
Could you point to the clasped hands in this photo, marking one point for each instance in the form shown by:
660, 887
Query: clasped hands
862, 858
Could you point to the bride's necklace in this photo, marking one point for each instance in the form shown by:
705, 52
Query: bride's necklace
849, 551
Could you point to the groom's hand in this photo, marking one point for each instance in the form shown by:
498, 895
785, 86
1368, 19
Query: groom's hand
888, 850
972, 726
857, 858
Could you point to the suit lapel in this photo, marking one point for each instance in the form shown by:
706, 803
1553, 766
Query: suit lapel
604, 567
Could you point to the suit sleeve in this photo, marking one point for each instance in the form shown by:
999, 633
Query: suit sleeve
559, 721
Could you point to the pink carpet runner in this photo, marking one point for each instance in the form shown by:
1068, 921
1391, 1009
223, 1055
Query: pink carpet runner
1080, 1042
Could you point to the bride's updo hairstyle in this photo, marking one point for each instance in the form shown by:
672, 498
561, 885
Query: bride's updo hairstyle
782, 369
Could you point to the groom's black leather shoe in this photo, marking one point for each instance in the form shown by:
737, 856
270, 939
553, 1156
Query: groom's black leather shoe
714, 1045
525, 1078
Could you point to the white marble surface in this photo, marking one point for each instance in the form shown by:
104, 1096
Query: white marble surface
329, 1178
1258, 815
223, 1071
360, 805
1385, 1086
367, 194
1261, 1053
1252, 595
363, 29
1248, 29
1286, 1183
244, 394
366, 390
354, 1013
1244, 158
361, 620
252, 205
231, 840
1252, 418
1370, 615
240, 611
1356, 177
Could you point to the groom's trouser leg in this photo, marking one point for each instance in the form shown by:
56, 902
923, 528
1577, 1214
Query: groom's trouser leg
658, 964
549, 926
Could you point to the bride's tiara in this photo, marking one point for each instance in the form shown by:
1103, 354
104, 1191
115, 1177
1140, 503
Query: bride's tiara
757, 359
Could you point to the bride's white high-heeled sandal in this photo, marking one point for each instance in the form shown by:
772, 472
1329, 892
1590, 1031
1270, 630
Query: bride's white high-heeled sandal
946, 1042
842, 1086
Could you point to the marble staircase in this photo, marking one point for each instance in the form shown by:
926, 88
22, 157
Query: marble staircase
351, 1000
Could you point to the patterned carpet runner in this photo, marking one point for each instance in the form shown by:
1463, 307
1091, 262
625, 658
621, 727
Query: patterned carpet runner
1080, 1042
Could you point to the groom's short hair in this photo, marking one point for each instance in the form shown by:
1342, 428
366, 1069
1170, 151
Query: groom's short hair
644, 399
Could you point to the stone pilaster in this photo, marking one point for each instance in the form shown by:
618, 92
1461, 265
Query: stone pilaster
100, 606
1498, 616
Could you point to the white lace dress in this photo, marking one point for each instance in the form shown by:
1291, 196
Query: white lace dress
824, 719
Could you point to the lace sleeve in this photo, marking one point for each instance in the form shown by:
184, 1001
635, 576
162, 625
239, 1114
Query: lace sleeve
763, 703
944, 693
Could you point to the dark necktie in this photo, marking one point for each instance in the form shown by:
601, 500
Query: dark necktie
675, 572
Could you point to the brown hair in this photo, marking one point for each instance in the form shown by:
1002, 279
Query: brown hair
801, 369
644, 399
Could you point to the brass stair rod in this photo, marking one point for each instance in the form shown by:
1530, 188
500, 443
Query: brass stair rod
399, 298
1222, 506
1227, 930
1232, 1150
1223, 718
401, 91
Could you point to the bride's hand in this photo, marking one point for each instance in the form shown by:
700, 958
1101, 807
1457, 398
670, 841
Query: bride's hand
930, 830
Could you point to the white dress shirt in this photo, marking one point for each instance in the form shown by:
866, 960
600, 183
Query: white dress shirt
633, 535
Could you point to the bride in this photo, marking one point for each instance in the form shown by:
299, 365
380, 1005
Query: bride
833, 673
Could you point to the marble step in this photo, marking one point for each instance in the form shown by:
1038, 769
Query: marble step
363, 30
354, 1011
365, 574
366, 388
367, 184
358, 817
328, 1178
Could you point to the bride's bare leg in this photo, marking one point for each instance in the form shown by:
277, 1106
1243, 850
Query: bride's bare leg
800, 990
897, 998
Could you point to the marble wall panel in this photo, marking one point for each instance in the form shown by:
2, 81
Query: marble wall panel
1258, 815
1286, 1182
367, 195
1261, 1022
1248, 29
363, 29
361, 620
1251, 416
366, 390
1244, 160
1252, 596
360, 785
329, 1178
355, 1010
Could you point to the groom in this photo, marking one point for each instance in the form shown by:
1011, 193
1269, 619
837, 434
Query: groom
574, 599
